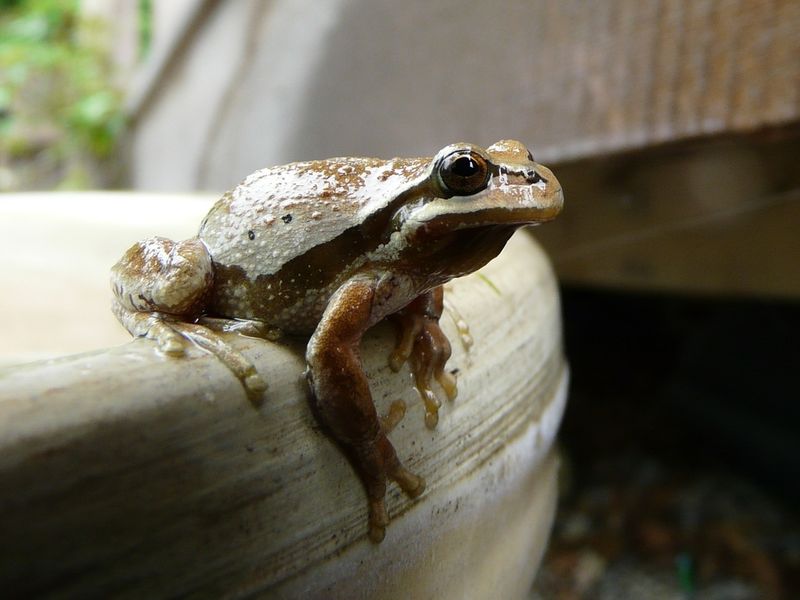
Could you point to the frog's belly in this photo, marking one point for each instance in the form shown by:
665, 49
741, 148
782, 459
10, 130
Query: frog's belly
292, 308
296, 305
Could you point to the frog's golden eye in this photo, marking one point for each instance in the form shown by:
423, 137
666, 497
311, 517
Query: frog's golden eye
464, 173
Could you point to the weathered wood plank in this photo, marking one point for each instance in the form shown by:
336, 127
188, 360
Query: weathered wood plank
719, 218
574, 79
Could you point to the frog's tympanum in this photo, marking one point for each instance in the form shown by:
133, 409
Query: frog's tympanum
328, 248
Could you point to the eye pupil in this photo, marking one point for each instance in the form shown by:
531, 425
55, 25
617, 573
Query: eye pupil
464, 166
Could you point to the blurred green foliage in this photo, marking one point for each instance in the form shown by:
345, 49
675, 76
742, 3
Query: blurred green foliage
56, 90
145, 27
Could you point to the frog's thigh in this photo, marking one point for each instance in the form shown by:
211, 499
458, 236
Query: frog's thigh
159, 275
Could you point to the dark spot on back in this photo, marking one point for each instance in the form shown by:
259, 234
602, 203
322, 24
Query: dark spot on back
286, 218
251, 234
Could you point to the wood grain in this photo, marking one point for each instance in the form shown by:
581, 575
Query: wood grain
641, 73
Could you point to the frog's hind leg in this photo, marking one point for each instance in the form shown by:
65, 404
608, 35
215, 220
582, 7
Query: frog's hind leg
160, 287
241, 367
172, 336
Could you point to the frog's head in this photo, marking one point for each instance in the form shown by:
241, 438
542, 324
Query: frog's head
501, 185
467, 188
461, 212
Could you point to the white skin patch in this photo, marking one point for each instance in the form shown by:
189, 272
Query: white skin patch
298, 207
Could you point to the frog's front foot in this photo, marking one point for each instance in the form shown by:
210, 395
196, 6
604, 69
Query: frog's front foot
424, 345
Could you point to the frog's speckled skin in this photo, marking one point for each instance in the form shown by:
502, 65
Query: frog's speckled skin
332, 247
299, 251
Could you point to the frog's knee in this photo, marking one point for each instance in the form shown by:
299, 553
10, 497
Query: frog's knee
158, 274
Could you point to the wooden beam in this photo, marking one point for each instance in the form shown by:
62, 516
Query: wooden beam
632, 74
712, 218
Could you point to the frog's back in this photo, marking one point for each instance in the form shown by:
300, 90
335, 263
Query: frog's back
278, 213
277, 239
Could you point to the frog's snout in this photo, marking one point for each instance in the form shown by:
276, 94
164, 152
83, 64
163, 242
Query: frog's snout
554, 193
560, 199
557, 199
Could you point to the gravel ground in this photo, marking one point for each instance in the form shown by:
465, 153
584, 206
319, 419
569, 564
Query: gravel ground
657, 503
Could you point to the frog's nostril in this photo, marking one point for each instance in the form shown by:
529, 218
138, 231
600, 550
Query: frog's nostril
533, 177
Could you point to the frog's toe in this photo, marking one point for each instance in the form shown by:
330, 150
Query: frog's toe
378, 520
413, 485
397, 359
431, 402
250, 327
169, 341
255, 386
432, 418
252, 382
448, 383
172, 346
396, 413
376, 533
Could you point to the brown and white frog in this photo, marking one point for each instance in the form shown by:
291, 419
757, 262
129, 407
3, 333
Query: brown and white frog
328, 248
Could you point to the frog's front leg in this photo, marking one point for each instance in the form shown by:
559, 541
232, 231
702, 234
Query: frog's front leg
422, 341
160, 287
342, 399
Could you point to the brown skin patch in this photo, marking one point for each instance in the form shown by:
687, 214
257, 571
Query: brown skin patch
438, 257
269, 295
447, 255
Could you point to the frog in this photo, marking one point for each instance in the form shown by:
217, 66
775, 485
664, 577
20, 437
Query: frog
326, 249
